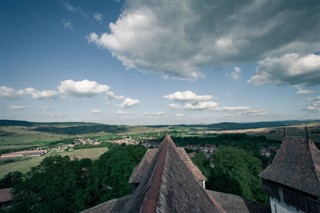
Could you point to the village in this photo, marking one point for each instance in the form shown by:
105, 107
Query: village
148, 142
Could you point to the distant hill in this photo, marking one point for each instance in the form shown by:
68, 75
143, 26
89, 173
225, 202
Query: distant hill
74, 128
69, 128
254, 125
15, 123
82, 129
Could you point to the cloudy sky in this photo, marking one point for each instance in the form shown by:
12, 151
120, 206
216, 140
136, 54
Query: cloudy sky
160, 62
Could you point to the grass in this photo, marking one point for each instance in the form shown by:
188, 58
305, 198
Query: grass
17, 137
25, 166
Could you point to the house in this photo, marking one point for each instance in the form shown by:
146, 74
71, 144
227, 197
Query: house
166, 180
292, 181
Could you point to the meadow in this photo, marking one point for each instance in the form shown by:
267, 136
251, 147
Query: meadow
25, 165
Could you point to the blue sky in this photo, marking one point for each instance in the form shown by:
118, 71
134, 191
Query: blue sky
160, 62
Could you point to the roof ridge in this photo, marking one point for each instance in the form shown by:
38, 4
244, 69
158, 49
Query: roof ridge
316, 166
152, 196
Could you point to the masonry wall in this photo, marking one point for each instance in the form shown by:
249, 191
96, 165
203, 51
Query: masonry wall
281, 207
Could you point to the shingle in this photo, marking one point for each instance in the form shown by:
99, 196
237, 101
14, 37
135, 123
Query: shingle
297, 165
169, 182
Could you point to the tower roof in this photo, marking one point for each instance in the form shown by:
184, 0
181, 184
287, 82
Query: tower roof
297, 165
169, 182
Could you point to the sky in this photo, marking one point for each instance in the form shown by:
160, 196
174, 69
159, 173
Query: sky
160, 62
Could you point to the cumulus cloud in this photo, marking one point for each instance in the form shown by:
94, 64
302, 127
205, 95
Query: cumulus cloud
187, 96
82, 88
112, 96
235, 74
96, 111
40, 94
302, 91
178, 39
97, 16
129, 102
8, 92
291, 69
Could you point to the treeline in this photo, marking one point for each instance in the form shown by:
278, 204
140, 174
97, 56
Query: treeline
233, 170
251, 143
82, 129
59, 184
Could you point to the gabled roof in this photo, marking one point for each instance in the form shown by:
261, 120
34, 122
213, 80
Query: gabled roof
140, 170
168, 184
235, 204
296, 165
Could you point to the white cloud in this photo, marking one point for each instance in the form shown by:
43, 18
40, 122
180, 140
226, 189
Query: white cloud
179, 115
40, 94
237, 108
204, 105
314, 105
97, 16
96, 111
175, 106
160, 113
82, 88
8, 92
178, 39
289, 69
122, 113
301, 91
67, 24
187, 96
235, 74
18, 107
254, 112
112, 96
129, 102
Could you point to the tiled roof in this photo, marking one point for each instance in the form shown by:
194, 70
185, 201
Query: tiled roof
143, 166
296, 165
5, 195
235, 204
170, 185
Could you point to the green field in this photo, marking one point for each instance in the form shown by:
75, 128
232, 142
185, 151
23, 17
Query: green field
25, 166
18, 138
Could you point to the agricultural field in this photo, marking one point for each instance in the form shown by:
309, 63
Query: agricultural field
25, 165
21, 135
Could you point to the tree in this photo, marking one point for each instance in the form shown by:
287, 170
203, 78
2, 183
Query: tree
10, 179
201, 161
236, 171
52, 186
